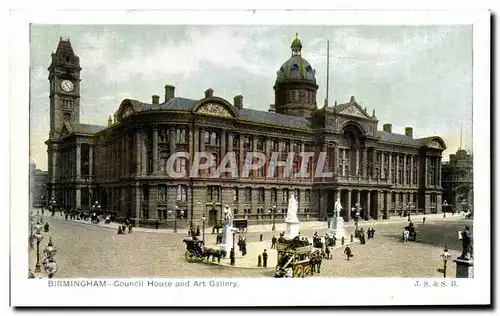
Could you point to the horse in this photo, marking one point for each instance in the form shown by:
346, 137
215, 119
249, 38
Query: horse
315, 259
406, 235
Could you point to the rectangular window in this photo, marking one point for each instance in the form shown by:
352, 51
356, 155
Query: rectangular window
182, 193
162, 193
274, 195
307, 196
236, 142
285, 195
297, 194
261, 195
180, 136
248, 194
206, 137
247, 143
235, 195
275, 145
260, 143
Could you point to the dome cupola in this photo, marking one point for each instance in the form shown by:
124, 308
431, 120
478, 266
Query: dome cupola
295, 87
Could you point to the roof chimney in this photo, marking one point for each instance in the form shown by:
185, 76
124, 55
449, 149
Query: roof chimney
156, 99
238, 101
272, 108
209, 93
387, 128
409, 132
169, 93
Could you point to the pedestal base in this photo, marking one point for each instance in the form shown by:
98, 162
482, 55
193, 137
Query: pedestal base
292, 229
465, 268
337, 229
227, 239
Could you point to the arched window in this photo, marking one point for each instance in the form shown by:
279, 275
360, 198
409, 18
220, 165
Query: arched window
295, 67
163, 161
308, 69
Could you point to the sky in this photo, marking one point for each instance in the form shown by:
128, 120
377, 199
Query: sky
418, 76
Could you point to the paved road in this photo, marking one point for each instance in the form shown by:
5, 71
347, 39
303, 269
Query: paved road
92, 251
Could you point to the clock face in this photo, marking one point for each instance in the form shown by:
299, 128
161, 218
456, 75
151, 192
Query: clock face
67, 85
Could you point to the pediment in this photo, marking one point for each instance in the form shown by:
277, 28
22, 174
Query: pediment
213, 109
434, 144
354, 110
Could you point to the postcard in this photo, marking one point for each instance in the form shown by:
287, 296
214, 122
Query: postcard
238, 156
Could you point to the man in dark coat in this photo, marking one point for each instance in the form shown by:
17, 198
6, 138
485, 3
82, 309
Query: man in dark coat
198, 230
327, 252
348, 252
264, 259
157, 224
273, 242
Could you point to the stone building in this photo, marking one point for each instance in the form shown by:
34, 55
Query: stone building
124, 165
458, 180
38, 186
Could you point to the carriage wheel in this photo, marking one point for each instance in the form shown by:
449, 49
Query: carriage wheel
298, 272
188, 256
308, 270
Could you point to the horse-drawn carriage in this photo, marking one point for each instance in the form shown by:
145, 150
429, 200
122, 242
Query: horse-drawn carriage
296, 259
409, 233
197, 252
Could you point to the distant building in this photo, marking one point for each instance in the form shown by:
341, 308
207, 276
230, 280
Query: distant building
124, 165
38, 186
458, 180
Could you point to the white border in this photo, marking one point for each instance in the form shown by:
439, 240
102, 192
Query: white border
265, 292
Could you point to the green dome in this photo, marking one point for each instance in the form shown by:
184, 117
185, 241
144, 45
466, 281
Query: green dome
296, 44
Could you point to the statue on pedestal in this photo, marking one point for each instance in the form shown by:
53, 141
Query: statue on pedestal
291, 215
337, 208
467, 252
228, 216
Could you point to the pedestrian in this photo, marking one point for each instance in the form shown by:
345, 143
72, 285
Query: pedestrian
244, 248
157, 224
373, 232
264, 259
273, 242
327, 252
423, 220
348, 252
120, 231
130, 228
197, 230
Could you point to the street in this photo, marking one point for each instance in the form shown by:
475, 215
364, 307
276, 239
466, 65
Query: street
91, 251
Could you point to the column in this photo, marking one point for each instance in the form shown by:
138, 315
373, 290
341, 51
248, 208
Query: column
348, 206
202, 139
78, 198
137, 198
438, 162
144, 152
410, 173
78, 160
343, 161
387, 198
155, 150
171, 140
302, 148
336, 195
336, 155
357, 161
389, 154
126, 157
426, 171
222, 146
397, 168
404, 169
368, 208
242, 156
365, 162
382, 161
138, 153
358, 198
91, 160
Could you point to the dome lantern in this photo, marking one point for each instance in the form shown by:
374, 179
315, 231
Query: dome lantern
296, 45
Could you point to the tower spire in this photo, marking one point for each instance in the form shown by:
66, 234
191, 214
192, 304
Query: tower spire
460, 136
327, 71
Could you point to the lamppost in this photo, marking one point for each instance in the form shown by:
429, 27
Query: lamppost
49, 263
39, 238
203, 220
52, 205
464, 204
273, 211
96, 206
445, 204
445, 256
175, 218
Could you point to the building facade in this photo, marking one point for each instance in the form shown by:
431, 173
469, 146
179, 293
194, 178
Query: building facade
458, 179
124, 165
38, 186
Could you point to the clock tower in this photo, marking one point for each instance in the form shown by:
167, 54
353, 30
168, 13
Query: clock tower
64, 78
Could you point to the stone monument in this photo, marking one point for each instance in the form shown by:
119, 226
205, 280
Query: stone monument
227, 230
465, 263
337, 228
292, 224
